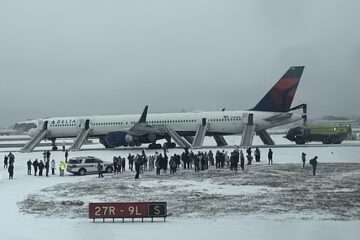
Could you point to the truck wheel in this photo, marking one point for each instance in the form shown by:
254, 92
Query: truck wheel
82, 172
299, 140
336, 140
326, 140
109, 170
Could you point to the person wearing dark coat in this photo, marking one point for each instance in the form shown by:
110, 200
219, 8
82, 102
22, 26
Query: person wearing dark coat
236, 160
313, 162
11, 158
303, 158
242, 160
6, 161
165, 163
100, 168
217, 160
48, 155
123, 163
47, 167
131, 162
41, 167
11, 171
270, 156
197, 162
35, 165
158, 162
211, 158
222, 159
248, 151
115, 163
138, 164
29, 167
257, 154
173, 164
185, 158
66, 155
249, 159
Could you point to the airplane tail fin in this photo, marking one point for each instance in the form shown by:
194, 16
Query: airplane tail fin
143, 115
281, 95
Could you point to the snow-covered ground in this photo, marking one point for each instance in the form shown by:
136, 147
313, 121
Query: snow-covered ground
264, 202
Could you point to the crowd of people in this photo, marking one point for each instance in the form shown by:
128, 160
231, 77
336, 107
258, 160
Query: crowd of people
36, 167
199, 161
39, 166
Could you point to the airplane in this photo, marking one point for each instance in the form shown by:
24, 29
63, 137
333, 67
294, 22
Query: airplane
274, 109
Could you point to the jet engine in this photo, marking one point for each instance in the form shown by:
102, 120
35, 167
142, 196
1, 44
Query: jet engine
119, 138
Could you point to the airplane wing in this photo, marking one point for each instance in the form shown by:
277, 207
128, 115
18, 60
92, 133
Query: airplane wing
141, 132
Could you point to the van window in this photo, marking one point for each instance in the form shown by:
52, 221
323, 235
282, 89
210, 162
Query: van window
74, 161
90, 160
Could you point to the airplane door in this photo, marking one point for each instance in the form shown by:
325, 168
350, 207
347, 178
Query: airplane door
203, 122
251, 119
87, 124
45, 125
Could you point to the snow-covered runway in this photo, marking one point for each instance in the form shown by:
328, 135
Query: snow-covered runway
261, 189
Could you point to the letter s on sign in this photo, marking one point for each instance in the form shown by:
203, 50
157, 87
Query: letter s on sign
157, 210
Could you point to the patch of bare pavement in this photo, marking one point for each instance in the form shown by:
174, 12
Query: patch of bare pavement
279, 191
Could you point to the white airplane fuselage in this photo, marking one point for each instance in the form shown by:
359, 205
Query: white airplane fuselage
219, 123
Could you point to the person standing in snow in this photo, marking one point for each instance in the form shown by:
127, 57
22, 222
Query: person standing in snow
35, 165
257, 154
29, 167
138, 164
11, 158
236, 159
53, 164
303, 158
100, 168
158, 164
270, 156
6, 161
248, 151
123, 164
249, 159
61, 168
66, 155
115, 164
211, 158
11, 170
41, 167
313, 162
242, 160
47, 167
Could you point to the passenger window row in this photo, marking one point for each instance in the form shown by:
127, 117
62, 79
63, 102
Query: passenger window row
150, 122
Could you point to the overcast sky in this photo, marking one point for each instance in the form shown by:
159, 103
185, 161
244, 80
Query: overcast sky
83, 57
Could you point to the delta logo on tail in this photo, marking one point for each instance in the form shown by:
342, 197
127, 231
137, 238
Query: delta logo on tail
281, 95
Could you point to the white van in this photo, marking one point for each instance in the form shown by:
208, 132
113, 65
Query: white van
87, 165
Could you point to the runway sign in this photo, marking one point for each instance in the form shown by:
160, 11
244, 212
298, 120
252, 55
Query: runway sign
127, 210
